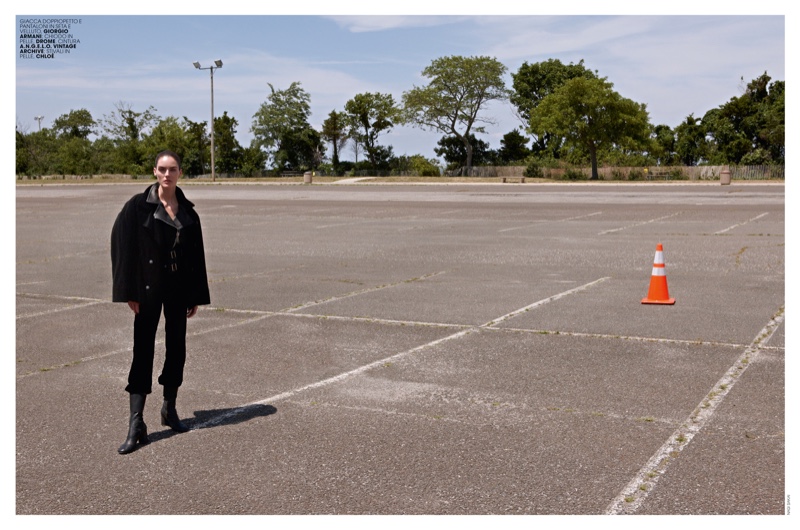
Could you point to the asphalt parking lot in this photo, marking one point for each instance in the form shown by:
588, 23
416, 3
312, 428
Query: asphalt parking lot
400, 349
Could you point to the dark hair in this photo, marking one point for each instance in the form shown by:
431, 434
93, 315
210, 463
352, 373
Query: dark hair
167, 152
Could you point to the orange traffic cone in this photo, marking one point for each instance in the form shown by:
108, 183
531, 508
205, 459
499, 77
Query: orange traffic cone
658, 293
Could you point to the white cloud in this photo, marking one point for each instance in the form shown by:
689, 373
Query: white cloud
369, 23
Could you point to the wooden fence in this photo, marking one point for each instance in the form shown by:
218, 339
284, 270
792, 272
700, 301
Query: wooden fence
635, 173
577, 173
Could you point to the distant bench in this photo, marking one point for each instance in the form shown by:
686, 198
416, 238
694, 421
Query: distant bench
657, 174
509, 179
291, 173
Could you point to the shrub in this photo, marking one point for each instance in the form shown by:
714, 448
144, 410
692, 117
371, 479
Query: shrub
424, 167
636, 174
574, 174
534, 170
677, 174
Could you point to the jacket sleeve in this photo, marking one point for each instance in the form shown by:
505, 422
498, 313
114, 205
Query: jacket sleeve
124, 254
199, 292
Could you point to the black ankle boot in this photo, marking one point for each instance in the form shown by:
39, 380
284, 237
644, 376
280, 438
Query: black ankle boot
137, 431
169, 415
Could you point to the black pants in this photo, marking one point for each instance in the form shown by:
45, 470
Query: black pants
145, 325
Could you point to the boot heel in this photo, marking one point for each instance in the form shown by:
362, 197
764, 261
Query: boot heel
143, 438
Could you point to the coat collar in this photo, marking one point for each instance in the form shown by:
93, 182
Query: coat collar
151, 196
156, 209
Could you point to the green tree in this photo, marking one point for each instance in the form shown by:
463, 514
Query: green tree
772, 121
591, 116
690, 141
39, 151
454, 152
77, 124
334, 130
722, 142
664, 145
415, 165
22, 158
74, 156
124, 123
368, 116
513, 148
126, 127
104, 152
168, 133
228, 156
460, 88
534, 82
750, 126
253, 162
197, 148
281, 128
68, 149
301, 150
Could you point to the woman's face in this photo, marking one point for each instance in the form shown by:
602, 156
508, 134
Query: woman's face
167, 172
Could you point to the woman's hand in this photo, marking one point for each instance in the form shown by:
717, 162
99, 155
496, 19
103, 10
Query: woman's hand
134, 306
192, 311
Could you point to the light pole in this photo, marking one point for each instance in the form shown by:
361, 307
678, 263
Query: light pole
39, 119
217, 64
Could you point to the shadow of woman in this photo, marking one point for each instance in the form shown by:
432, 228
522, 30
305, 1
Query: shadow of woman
205, 419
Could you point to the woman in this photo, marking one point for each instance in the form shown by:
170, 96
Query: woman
158, 262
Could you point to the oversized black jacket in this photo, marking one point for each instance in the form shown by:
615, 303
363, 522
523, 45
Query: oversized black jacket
137, 257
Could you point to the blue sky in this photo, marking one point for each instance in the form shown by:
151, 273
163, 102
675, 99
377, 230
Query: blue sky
676, 64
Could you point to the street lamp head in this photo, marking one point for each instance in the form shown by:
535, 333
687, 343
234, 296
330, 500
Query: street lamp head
196, 65
218, 63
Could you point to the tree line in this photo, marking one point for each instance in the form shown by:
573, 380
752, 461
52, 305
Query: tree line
569, 115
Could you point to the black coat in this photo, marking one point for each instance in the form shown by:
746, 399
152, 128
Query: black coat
138, 253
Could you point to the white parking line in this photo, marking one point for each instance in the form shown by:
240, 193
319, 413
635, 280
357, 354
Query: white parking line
59, 256
127, 349
634, 494
361, 369
362, 291
58, 310
542, 302
547, 221
259, 315
82, 302
740, 224
637, 224
336, 225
